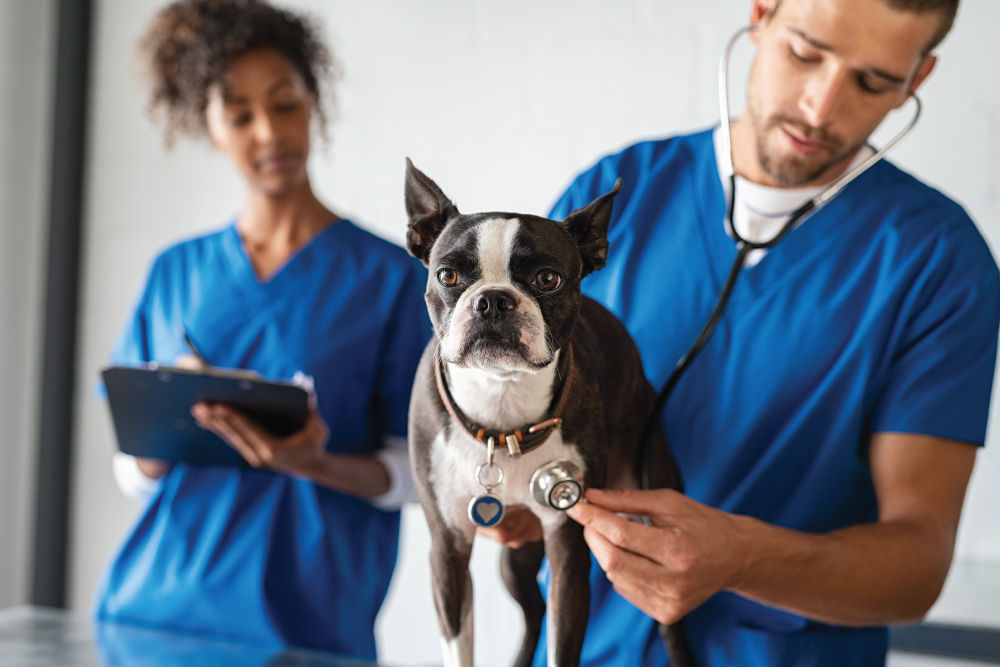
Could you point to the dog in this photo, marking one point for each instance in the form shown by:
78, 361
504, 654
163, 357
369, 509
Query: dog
527, 393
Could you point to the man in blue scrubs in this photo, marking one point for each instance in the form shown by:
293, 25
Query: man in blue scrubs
827, 431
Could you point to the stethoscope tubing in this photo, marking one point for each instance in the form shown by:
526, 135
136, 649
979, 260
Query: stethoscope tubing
744, 246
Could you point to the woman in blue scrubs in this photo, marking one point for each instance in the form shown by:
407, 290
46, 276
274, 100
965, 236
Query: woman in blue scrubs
296, 549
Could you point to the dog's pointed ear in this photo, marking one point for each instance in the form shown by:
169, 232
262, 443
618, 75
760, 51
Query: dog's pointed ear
429, 211
589, 226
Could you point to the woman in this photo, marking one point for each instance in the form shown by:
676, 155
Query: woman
298, 547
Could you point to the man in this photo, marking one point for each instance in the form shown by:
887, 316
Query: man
827, 431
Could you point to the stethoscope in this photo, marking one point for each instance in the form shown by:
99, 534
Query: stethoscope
745, 246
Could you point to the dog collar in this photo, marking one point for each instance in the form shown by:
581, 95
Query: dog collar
522, 439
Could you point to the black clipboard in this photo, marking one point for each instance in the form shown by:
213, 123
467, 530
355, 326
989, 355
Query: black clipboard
151, 410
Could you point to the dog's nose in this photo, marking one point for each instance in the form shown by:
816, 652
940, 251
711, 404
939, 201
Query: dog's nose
492, 303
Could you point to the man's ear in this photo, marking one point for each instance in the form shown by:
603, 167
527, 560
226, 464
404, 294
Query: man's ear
924, 70
760, 12
429, 211
589, 226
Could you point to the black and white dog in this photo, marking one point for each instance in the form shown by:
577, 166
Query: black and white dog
527, 391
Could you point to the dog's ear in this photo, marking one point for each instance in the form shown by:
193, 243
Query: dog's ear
589, 226
429, 211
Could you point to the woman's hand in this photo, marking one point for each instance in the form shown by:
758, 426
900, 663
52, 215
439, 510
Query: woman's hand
300, 453
153, 468
189, 362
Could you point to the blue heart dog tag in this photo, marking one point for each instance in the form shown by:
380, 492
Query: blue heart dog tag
485, 510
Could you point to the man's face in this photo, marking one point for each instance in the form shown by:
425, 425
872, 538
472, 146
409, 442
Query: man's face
826, 73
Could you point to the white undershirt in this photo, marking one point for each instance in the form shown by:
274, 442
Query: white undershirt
394, 456
760, 211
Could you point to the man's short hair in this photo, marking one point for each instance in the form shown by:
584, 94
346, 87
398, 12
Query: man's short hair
947, 9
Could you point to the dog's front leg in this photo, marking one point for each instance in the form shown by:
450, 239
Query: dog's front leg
569, 593
450, 551
519, 568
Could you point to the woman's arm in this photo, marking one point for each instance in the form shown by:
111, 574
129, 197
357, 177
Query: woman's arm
137, 478
302, 454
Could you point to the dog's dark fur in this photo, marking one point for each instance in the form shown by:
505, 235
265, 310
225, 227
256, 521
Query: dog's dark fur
608, 404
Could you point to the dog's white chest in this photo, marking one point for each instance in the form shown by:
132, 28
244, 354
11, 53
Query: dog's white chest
456, 459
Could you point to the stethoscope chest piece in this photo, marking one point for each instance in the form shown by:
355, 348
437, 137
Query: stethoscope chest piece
558, 485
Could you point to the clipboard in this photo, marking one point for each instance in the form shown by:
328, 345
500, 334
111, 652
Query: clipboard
151, 410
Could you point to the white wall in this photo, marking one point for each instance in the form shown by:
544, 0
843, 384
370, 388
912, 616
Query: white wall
501, 102
26, 39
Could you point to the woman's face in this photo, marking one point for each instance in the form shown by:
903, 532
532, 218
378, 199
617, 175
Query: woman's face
259, 116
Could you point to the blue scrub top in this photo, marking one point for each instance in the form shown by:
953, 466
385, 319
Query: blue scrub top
258, 556
878, 313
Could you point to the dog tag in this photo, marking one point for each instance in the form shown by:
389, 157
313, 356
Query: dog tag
485, 510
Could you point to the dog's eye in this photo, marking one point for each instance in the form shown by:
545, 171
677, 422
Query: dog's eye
448, 277
548, 280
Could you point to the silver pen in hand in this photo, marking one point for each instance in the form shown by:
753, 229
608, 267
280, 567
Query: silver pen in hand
209, 368
194, 348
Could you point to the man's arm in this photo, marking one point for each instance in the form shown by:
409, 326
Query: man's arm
885, 572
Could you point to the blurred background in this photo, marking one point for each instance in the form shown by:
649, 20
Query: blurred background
501, 102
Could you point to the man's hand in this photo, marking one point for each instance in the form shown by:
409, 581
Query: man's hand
518, 527
300, 453
690, 552
887, 571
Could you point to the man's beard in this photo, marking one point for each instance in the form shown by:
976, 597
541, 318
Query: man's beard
793, 171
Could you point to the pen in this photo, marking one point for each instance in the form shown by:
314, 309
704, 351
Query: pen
194, 348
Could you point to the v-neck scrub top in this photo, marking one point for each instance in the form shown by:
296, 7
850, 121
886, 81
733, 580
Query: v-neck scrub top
878, 313
254, 555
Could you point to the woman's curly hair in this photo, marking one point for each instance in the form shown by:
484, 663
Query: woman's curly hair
191, 43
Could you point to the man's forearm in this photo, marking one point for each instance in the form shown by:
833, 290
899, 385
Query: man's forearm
871, 574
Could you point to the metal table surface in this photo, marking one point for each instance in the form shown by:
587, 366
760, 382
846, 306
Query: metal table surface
43, 637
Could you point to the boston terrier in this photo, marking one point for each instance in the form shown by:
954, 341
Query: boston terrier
528, 393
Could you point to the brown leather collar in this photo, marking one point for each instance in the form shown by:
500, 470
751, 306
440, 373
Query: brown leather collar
522, 439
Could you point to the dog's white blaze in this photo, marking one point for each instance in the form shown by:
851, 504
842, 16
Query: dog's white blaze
495, 243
